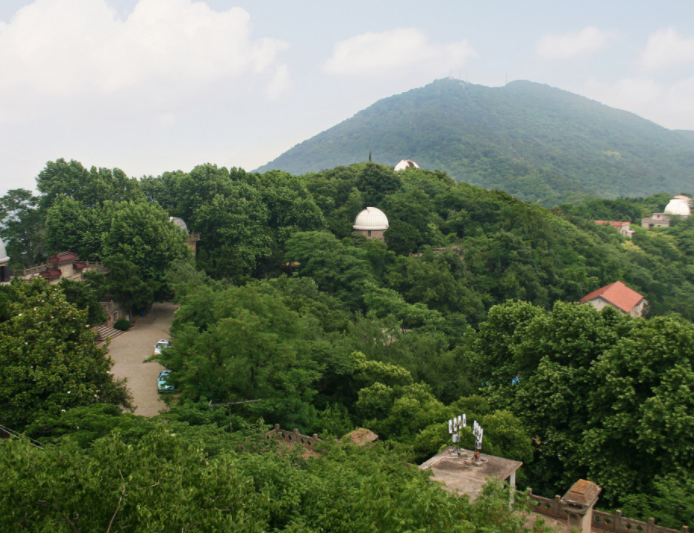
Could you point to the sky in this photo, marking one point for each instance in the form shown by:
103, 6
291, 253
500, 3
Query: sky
150, 86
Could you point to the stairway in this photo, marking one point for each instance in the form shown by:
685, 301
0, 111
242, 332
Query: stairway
105, 331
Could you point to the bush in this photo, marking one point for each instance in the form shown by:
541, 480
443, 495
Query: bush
122, 324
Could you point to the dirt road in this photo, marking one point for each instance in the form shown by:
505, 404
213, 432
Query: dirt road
133, 347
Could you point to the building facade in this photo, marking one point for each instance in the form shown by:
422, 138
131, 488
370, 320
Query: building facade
619, 296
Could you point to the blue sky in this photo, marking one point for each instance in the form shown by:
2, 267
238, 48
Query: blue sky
156, 85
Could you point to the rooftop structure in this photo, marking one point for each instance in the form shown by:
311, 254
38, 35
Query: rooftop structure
405, 164
619, 296
4, 264
462, 476
3, 253
623, 227
360, 437
179, 222
371, 222
678, 206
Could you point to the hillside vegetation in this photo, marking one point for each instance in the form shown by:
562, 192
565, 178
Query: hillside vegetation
469, 306
533, 141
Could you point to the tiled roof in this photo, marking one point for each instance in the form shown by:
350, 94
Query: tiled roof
618, 295
63, 257
614, 223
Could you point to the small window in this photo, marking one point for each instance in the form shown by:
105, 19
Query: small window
369, 233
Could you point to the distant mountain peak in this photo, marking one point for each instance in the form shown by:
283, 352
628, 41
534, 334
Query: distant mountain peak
532, 140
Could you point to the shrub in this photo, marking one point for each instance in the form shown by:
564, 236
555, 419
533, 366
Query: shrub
122, 324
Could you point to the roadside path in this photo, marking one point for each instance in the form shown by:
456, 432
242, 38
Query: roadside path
131, 349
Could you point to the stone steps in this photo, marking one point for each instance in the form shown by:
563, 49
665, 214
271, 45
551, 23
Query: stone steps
105, 331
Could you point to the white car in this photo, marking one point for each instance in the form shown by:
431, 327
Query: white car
160, 345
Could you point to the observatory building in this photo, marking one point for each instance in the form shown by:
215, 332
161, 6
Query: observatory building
406, 163
193, 237
4, 264
371, 222
678, 206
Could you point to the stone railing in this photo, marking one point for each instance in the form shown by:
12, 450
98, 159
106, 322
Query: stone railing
293, 437
548, 506
31, 271
616, 522
94, 266
601, 520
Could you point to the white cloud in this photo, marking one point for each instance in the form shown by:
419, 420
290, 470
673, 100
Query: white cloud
667, 48
670, 105
574, 44
66, 48
279, 84
385, 52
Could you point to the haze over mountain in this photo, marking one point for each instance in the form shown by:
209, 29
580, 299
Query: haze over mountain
531, 140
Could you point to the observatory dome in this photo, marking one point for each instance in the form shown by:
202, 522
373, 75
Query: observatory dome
3, 253
406, 163
677, 206
371, 219
179, 222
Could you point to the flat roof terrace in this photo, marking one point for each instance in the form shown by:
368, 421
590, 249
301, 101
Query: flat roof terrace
463, 476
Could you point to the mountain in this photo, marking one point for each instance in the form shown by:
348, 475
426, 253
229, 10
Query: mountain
528, 139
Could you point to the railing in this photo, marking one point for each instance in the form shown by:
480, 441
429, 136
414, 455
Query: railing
94, 266
32, 271
547, 506
616, 522
601, 520
293, 437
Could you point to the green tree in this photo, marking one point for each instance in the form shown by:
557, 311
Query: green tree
92, 188
49, 357
21, 227
71, 225
337, 268
86, 295
253, 348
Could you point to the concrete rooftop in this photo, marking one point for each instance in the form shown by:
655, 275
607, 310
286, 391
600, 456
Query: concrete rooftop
462, 476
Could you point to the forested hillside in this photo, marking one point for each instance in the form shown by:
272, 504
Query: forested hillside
530, 140
469, 306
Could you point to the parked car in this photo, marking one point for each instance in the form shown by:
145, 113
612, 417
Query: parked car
160, 345
162, 381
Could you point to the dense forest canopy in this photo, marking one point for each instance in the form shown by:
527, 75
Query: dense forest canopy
468, 306
533, 141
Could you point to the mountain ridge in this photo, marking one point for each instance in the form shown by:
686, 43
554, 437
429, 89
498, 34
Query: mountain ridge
534, 141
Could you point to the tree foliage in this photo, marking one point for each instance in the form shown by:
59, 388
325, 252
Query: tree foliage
49, 357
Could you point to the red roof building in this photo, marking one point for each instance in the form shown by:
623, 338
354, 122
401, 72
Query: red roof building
619, 296
623, 227
63, 257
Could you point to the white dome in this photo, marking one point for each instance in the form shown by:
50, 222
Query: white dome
179, 222
3, 253
371, 218
406, 163
677, 206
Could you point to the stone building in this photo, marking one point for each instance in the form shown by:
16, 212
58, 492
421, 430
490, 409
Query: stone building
372, 223
619, 296
679, 206
657, 220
